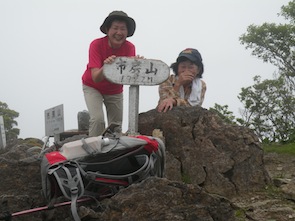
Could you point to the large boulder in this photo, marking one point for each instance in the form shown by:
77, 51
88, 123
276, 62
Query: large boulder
201, 149
158, 199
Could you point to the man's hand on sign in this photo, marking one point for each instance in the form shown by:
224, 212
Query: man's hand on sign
109, 60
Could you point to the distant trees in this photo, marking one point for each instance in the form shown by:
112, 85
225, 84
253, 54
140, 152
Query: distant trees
9, 122
225, 114
269, 105
275, 43
269, 109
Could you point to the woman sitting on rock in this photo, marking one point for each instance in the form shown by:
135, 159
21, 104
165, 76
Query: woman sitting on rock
184, 87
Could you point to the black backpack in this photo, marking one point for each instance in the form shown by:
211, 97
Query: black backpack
100, 166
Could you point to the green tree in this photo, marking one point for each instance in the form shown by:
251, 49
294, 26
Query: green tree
225, 114
9, 123
269, 104
275, 43
269, 109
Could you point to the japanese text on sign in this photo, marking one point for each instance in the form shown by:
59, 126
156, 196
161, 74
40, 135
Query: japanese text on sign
134, 71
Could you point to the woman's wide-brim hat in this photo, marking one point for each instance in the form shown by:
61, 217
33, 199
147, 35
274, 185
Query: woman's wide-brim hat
121, 16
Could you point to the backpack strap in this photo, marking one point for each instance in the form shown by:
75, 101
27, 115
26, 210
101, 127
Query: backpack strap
70, 183
144, 171
86, 147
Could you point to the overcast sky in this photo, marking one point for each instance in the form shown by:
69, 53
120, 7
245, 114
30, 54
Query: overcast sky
44, 50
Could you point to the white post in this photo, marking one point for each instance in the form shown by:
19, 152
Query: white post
133, 109
2, 134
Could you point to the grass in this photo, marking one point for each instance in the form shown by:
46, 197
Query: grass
280, 148
186, 179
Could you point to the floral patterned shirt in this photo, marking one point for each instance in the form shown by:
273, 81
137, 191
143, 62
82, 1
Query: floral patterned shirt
166, 90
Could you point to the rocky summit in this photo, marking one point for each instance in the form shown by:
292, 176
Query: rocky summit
223, 159
209, 164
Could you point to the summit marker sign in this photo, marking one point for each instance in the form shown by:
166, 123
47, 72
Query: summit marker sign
136, 72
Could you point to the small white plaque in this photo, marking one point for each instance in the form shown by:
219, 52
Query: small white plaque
54, 120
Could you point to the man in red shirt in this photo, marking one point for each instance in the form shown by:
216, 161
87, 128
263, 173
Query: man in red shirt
98, 90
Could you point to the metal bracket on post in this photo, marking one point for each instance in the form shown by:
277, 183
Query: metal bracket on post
135, 72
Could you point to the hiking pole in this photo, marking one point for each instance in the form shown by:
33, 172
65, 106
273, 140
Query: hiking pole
8, 216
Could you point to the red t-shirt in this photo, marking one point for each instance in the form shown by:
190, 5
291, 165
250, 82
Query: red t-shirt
99, 50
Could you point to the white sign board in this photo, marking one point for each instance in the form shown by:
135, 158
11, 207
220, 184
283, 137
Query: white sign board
136, 71
2, 134
54, 120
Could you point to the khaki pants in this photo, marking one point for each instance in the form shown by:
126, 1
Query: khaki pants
94, 102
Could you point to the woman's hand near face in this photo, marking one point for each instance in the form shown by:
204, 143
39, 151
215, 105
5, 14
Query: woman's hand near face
187, 71
185, 77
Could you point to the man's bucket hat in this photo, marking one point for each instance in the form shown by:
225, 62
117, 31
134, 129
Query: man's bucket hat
122, 16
